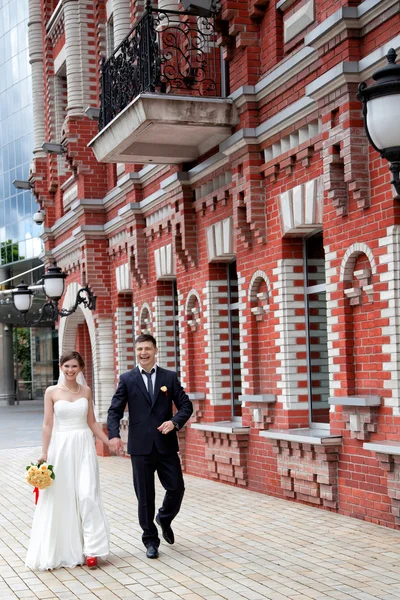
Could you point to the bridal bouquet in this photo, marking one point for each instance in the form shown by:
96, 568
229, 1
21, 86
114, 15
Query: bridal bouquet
40, 475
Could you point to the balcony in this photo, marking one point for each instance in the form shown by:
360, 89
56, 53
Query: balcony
161, 92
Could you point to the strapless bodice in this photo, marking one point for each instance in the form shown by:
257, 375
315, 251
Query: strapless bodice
70, 416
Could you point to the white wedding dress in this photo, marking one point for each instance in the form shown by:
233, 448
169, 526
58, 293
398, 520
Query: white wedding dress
69, 521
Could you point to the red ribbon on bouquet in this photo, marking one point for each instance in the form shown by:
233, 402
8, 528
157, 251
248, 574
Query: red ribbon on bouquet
36, 492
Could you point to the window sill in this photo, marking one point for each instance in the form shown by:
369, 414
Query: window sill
356, 401
319, 437
264, 398
384, 447
222, 427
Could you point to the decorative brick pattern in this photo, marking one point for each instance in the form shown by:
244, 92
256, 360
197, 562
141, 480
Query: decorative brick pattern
217, 349
291, 329
390, 258
257, 412
345, 154
124, 352
164, 332
308, 472
226, 456
391, 465
361, 421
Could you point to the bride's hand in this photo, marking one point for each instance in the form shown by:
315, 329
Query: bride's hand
43, 458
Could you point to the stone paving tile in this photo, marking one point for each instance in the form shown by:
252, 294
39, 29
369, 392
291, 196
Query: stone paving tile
231, 544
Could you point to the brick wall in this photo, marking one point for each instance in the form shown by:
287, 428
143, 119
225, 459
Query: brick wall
300, 129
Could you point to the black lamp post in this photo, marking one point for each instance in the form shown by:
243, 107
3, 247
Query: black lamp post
53, 287
381, 112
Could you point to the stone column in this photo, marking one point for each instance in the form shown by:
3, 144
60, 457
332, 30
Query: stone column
122, 20
36, 62
73, 50
7, 395
6, 356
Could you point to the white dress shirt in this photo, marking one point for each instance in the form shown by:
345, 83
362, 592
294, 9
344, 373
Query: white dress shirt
153, 377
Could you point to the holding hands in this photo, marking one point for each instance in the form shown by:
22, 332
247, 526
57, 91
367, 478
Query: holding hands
116, 445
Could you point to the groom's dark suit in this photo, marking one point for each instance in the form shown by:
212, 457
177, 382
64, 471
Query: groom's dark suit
151, 450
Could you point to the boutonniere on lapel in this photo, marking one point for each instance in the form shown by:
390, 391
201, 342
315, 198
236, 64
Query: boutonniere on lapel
164, 389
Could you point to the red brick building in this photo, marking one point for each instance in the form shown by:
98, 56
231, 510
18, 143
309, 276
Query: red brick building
228, 202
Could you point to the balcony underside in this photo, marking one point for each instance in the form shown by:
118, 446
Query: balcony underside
165, 129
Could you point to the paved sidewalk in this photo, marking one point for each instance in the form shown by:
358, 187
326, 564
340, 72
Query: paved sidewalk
231, 544
21, 424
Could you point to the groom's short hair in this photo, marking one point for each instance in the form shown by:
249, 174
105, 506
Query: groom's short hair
145, 337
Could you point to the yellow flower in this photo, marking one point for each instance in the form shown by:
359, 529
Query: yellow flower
43, 467
164, 389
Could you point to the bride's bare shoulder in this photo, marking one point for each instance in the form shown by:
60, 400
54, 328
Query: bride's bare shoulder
86, 389
49, 393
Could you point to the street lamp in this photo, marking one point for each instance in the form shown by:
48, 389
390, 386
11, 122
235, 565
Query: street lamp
22, 298
21, 184
53, 287
381, 112
52, 148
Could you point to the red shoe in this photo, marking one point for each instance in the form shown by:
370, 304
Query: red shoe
91, 562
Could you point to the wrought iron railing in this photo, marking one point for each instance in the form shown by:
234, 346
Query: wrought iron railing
166, 52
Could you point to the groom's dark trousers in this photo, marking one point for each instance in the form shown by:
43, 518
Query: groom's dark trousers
150, 450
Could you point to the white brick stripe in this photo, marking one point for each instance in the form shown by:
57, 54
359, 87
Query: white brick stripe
124, 349
288, 334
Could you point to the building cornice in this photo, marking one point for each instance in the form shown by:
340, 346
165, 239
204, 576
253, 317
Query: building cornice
347, 17
344, 18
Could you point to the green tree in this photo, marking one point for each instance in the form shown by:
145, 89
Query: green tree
9, 252
22, 353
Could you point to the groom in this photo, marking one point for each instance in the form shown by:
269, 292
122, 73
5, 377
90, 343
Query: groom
149, 392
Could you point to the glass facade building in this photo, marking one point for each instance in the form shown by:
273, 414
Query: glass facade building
19, 235
26, 354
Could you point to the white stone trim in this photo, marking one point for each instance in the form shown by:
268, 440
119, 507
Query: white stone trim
301, 208
287, 335
298, 21
392, 331
164, 262
124, 355
220, 240
164, 334
215, 325
123, 279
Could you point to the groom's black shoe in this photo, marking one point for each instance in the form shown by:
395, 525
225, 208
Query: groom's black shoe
167, 532
152, 552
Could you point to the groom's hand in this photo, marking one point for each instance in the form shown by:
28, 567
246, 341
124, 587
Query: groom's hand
116, 445
166, 427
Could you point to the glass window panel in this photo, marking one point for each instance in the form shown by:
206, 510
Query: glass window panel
318, 352
316, 333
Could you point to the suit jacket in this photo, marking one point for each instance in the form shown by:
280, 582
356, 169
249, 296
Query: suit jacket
145, 416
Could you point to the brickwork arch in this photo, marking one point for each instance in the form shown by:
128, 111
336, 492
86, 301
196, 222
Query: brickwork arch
257, 279
193, 309
68, 326
145, 320
350, 258
101, 340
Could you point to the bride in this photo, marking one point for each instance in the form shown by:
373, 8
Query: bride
69, 521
